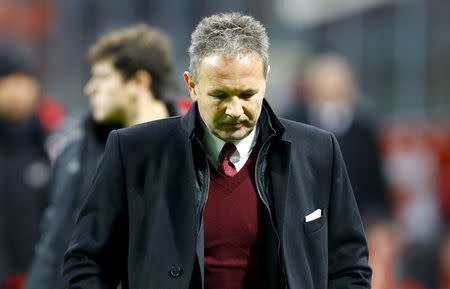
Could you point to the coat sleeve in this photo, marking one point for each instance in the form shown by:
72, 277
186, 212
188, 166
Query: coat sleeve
96, 255
348, 253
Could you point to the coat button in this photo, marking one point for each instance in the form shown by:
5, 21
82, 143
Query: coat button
175, 271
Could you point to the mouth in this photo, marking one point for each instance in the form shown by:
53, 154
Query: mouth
233, 125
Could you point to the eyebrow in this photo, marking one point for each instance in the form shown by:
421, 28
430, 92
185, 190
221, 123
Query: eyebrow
237, 91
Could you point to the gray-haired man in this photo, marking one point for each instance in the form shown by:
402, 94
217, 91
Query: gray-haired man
228, 196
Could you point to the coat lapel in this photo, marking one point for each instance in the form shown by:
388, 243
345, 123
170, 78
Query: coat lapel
279, 159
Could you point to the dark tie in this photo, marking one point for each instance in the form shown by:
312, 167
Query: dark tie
225, 165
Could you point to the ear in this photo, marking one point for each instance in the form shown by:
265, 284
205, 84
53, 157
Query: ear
268, 70
191, 85
142, 79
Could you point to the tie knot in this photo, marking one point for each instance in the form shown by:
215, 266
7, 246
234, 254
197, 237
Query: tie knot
225, 165
227, 151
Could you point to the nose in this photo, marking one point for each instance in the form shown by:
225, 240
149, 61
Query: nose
234, 107
89, 88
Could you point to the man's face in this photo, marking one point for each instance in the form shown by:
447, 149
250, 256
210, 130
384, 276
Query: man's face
330, 83
107, 91
230, 92
18, 96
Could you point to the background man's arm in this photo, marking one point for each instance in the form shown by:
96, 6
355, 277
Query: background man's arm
97, 250
348, 253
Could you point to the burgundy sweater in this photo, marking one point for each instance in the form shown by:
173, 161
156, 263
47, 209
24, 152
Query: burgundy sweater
233, 230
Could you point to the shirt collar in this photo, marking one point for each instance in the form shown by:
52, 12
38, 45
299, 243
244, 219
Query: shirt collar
213, 145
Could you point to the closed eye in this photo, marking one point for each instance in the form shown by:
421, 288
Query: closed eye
218, 95
246, 94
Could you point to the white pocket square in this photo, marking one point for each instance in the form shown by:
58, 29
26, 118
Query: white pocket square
314, 215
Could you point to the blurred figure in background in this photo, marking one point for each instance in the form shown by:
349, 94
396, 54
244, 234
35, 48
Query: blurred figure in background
330, 101
24, 168
131, 69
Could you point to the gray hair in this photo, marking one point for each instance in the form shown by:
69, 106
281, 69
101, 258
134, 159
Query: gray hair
228, 33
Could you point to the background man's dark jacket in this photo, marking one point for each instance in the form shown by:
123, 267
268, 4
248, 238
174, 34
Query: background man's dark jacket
141, 223
73, 173
24, 183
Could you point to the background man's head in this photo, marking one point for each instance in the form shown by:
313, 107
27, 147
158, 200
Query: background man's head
330, 80
228, 69
127, 64
331, 92
19, 88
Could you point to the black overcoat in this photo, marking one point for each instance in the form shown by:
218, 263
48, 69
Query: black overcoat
141, 223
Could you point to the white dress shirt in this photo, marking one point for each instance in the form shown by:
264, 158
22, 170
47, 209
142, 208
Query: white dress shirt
213, 146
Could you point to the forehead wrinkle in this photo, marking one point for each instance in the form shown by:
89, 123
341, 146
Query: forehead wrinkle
234, 86
221, 73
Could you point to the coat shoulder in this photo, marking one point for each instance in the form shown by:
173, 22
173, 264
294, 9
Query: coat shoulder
151, 134
304, 133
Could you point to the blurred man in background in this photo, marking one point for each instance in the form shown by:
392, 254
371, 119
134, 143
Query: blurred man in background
24, 168
131, 69
330, 102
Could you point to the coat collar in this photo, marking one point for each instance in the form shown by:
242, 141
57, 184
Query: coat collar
268, 121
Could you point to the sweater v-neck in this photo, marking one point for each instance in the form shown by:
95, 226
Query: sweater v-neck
227, 182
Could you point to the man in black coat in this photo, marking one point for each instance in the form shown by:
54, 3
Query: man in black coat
169, 207
131, 68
